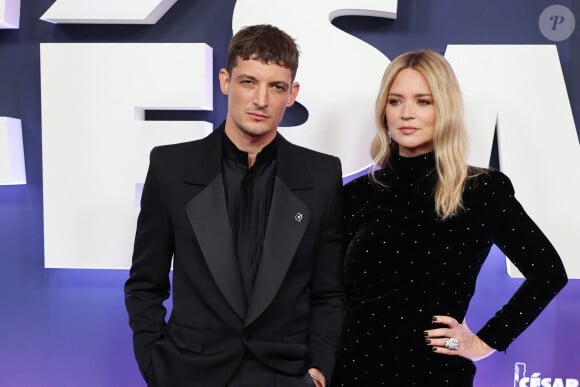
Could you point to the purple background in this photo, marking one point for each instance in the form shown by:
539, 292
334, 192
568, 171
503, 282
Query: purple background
69, 327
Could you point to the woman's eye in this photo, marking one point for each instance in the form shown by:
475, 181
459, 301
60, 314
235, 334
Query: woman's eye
424, 102
394, 101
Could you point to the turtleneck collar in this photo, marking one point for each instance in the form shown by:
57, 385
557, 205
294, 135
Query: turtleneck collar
414, 166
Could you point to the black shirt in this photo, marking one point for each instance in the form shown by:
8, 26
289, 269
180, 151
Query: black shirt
248, 197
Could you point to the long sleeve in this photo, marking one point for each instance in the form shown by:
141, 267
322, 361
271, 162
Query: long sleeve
326, 288
148, 283
404, 264
532, 253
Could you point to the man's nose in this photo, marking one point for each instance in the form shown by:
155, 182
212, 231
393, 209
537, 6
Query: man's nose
261, 97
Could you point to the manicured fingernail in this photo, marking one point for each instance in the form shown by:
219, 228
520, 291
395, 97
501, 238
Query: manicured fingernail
425, 333
434, 349
433, 319
427, 341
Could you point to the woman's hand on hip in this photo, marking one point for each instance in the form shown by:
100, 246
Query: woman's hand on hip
456, 340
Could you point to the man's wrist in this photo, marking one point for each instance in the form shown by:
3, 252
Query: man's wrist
317, 377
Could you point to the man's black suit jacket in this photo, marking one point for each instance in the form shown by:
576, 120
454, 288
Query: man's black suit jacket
294, 318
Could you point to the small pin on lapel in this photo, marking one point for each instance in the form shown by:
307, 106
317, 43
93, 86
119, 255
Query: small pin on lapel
298, 217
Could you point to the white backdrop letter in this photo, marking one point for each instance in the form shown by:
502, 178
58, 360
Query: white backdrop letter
95, 144
9, 14
107, 11
12, 169
521, 87
339, 73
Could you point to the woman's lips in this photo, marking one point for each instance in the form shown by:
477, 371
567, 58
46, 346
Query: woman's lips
408, 129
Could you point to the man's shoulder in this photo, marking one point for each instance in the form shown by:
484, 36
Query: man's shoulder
311, 154
179, 150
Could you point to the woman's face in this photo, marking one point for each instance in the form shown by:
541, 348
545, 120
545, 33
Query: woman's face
410, 113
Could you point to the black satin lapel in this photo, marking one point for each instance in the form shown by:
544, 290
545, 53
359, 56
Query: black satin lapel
208, 215
287, 222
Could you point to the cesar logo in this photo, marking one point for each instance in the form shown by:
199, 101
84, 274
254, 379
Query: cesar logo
536, 379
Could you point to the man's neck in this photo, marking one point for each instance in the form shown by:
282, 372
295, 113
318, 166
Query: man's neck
252, 145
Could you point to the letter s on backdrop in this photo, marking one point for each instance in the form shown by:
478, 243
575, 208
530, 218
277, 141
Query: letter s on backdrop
340, 101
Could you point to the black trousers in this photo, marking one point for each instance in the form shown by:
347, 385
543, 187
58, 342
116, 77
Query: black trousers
253, 373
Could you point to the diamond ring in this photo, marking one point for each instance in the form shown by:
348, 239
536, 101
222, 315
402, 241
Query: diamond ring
452, 343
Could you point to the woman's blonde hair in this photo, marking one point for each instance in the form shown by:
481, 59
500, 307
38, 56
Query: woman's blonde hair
449, 135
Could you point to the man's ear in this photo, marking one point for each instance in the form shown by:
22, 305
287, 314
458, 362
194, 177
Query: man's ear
294, 88
224, 78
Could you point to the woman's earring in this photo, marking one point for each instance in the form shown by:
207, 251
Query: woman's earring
389, 137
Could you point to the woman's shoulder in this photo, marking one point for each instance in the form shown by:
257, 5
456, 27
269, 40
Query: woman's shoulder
360, 185
359, 192
488, 181
357, 181
366, 184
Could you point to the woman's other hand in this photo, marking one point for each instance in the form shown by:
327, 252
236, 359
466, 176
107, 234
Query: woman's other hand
456, 340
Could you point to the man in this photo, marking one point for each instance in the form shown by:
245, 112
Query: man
254, 226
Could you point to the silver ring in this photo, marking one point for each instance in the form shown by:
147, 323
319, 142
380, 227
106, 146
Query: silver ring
452, 343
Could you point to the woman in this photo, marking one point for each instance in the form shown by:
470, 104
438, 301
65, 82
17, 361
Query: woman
418, 231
